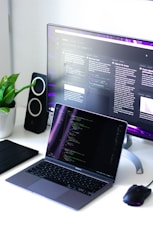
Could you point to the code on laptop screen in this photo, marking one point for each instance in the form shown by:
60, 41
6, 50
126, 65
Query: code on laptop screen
86, 140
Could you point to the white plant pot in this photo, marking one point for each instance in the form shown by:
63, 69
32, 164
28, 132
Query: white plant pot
7, 122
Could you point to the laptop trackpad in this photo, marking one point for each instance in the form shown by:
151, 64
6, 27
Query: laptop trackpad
48, 189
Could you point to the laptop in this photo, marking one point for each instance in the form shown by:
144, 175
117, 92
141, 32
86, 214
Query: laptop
84, 150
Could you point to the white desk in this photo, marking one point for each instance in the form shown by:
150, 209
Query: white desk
21, 209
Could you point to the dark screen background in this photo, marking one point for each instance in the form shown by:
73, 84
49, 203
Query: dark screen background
86, 140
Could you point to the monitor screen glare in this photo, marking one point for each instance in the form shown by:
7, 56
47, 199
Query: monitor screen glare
102, 73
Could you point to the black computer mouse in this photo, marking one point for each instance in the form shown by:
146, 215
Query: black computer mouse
136, 195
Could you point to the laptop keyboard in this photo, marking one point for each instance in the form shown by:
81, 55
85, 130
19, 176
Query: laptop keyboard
68, 178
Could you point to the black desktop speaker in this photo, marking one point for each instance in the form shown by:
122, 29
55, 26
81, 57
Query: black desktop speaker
36, 113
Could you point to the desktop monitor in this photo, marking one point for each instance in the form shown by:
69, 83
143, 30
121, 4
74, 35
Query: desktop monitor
102, 73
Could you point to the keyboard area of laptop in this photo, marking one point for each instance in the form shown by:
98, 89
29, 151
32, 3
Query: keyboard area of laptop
66, 177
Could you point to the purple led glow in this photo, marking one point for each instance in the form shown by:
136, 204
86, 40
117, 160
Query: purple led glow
136, 130
125, 39
51, 85
51, 94
56, 128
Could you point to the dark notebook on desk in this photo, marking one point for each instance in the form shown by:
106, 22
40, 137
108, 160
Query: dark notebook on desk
81, 160
12, 154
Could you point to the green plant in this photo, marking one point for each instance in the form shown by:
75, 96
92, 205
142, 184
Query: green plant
8, 91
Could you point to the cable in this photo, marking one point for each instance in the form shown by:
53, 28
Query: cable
149, 184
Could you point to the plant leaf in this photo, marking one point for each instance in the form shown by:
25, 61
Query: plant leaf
4, 109
8, 92
9, 97
8, 89
12, 78
3, 86
3, 80
25, 87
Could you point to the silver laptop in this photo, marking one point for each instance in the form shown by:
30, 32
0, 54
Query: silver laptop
81, 159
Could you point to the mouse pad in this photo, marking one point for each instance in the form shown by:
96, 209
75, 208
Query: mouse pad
12, 154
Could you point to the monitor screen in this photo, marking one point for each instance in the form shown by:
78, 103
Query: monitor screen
102, 73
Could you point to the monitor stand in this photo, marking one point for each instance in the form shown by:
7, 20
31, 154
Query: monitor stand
130, 155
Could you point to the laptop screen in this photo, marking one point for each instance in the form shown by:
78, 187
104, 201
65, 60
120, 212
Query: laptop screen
86, 140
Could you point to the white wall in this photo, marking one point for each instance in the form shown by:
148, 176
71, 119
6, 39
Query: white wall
4, 39
29, 18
